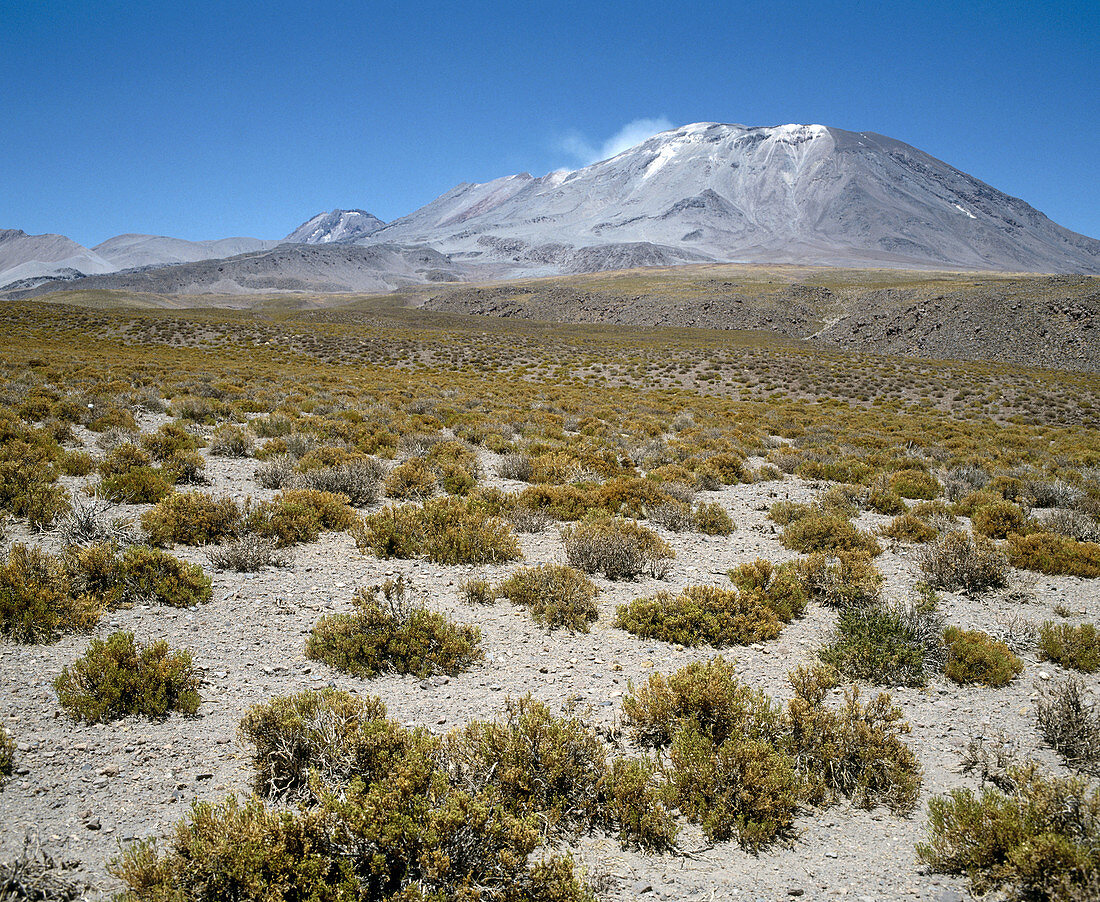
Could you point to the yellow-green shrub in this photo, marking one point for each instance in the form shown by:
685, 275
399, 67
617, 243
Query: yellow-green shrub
191, 518
37, 603
998, 520
829, 533
975, 657
118, 677
1054, 554
556, 595
712, 519
1071, 646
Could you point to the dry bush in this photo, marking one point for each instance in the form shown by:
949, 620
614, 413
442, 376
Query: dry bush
516, 465
275, 472
359, 481
248, 554
556, 595
850, 580
1071, 523
232, 441
959, 561
89, 522
1070, 723
616, 547
1018, 633
675, 516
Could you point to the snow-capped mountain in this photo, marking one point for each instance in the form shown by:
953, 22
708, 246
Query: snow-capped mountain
336, 226
785, 194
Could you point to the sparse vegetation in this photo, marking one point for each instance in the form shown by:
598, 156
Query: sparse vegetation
1077, 647
960, 562
617, 548
1070, 723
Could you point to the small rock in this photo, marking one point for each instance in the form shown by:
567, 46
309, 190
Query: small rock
94, 824
1043, 675
795, 891
641, 886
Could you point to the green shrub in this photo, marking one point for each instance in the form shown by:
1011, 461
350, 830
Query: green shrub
850, 580
1056, 555
1071, 646
910, 528
959, 561
1034, 839
701, 614
299, 515
477, 591
885, 501
231, 441
557, 595
127, 474
7, 755
117, 677
784, 513
616, 547
37, 603
915, 484
828, 533
975, 657
742, 788
168, 440
444, 530
1070, 724
971, 502
186, 467
998, 520
880, 644
556, 769
191, 518
712, 519
152, 576
854, 753
706, 694
781, 588
390, 632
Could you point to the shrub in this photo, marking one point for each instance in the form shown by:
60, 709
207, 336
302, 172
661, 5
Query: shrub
885, 501
390, 632
1070, 724
675, 516
36, 599
117, 677
556, 595
616, 547
780, 588
411, 480
706, 694
127, 474
1054, 554
248, 554
516, 465
359, 481
1035, 840
170, 439
7, 755
971, 502
186, 467
915, 484
909, 528
856, 752
784, 513
477, 591
958, 561
191, 518
154, 576
1071, 646
444, 530
336, 734
879, 644
1071, 523
742, 788
851, 580
829, 533
231, 441
974, 657
998, 520
299, 515
712, 519
276, 472
701, 614
556, 768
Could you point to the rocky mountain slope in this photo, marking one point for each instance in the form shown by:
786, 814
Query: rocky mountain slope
130, 251
24, 256
336, 226
792, 193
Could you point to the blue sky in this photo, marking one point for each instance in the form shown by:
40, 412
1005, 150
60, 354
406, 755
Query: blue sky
204, 120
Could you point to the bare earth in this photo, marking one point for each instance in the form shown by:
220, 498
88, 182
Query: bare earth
84, 789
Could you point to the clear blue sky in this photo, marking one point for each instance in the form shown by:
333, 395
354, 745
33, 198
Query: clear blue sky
210, 119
